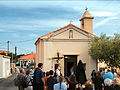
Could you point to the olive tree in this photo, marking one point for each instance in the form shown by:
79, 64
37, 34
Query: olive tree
106, 48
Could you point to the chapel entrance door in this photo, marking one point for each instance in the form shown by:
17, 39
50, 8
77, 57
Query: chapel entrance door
70, 63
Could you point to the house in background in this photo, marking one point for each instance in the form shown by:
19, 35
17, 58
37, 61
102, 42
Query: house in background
2, 51
4, 66
27, 60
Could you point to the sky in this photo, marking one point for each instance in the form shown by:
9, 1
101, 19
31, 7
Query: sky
22, 22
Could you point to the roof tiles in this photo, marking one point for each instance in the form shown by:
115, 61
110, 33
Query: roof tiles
28, 56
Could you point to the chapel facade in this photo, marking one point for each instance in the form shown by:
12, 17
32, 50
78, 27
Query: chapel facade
70, 44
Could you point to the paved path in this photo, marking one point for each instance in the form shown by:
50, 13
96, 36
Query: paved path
7, 84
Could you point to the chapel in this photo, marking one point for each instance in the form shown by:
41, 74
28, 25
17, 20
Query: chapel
66, 46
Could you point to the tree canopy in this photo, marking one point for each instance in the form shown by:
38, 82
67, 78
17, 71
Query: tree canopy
106, 48
12, 55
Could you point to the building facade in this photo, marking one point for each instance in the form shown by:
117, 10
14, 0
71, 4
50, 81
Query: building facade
71, 43
4, 66
27, 60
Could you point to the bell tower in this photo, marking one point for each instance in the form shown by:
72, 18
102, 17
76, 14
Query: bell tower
87, 21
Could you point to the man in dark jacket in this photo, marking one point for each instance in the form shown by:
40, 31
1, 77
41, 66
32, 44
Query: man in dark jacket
39, 77
51, 80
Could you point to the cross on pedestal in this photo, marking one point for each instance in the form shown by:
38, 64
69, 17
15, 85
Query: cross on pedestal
86, 8
58, 57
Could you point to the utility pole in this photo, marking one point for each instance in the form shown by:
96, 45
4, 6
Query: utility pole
8, 46
15, 54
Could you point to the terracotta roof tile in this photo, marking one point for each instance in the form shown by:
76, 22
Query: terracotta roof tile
28, 56
1, 51
55, 31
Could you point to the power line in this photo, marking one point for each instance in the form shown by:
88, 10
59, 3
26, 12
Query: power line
13, 45
24, 40
3, 42
22, 49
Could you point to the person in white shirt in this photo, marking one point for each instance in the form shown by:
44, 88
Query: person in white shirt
58, 73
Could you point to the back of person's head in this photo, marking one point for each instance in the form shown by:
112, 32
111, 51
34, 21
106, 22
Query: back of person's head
67, 79
27, 72
99, 74
108, 82
32, 67
61, 79
100, 70
113, 71
108, 70
51, 72
73, 78
21, 70
94, 70
47, 73
116, 81
40, 64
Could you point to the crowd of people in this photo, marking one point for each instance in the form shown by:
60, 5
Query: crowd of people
36, 79
106, 80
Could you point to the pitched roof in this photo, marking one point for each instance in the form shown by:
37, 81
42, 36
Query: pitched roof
63, 28
1, 51
28, 56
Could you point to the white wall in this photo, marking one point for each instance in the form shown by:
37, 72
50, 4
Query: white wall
4, 67
68, 48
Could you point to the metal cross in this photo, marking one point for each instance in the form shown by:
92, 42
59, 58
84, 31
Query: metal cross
58, 57
86, 8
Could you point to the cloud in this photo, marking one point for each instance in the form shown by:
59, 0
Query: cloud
105, 21
32, 4
34, 25
100, 14
15, 35
34, 35
1, 30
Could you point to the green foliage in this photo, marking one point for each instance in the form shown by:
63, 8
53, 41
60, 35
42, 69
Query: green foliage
15, 57
106, 48
2, 53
